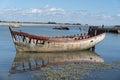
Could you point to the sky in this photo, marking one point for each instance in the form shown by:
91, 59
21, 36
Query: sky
93, 12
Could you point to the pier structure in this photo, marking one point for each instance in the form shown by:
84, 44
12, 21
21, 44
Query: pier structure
104, 29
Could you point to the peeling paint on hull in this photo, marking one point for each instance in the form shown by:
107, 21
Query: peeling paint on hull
25, 42
60, 46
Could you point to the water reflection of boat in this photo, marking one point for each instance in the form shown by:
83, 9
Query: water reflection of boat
25, 42
24, 62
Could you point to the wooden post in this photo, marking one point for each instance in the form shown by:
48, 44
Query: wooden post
23, 66
29, 65
93, 48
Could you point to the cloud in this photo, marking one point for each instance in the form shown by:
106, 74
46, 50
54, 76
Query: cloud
47, 10
54, 14
56, 9
118, 15
36, 11
46, 6
107, 16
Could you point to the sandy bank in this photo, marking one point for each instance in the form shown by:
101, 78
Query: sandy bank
36, 24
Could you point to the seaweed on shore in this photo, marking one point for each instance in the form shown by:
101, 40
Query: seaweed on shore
75, 71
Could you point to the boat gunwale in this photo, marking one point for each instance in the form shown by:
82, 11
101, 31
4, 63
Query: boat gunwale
53, 38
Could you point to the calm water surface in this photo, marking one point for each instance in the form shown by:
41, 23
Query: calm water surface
108, 50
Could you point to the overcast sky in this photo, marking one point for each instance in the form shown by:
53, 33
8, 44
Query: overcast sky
96, 12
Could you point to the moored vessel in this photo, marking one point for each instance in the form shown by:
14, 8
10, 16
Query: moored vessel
25, 42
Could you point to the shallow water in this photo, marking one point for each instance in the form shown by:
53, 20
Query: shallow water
108, 49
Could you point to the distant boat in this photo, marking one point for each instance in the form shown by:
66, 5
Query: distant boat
25, 42
61, 28
15, 26
118, 31
24, 62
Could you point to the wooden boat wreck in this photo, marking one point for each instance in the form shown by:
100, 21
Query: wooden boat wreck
25, 42
24, 62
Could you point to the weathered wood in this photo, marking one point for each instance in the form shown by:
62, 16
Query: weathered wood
51, 44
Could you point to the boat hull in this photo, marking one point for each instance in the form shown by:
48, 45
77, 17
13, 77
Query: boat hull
118, 31
83, 44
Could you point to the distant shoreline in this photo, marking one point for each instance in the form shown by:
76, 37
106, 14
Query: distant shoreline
35, 24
